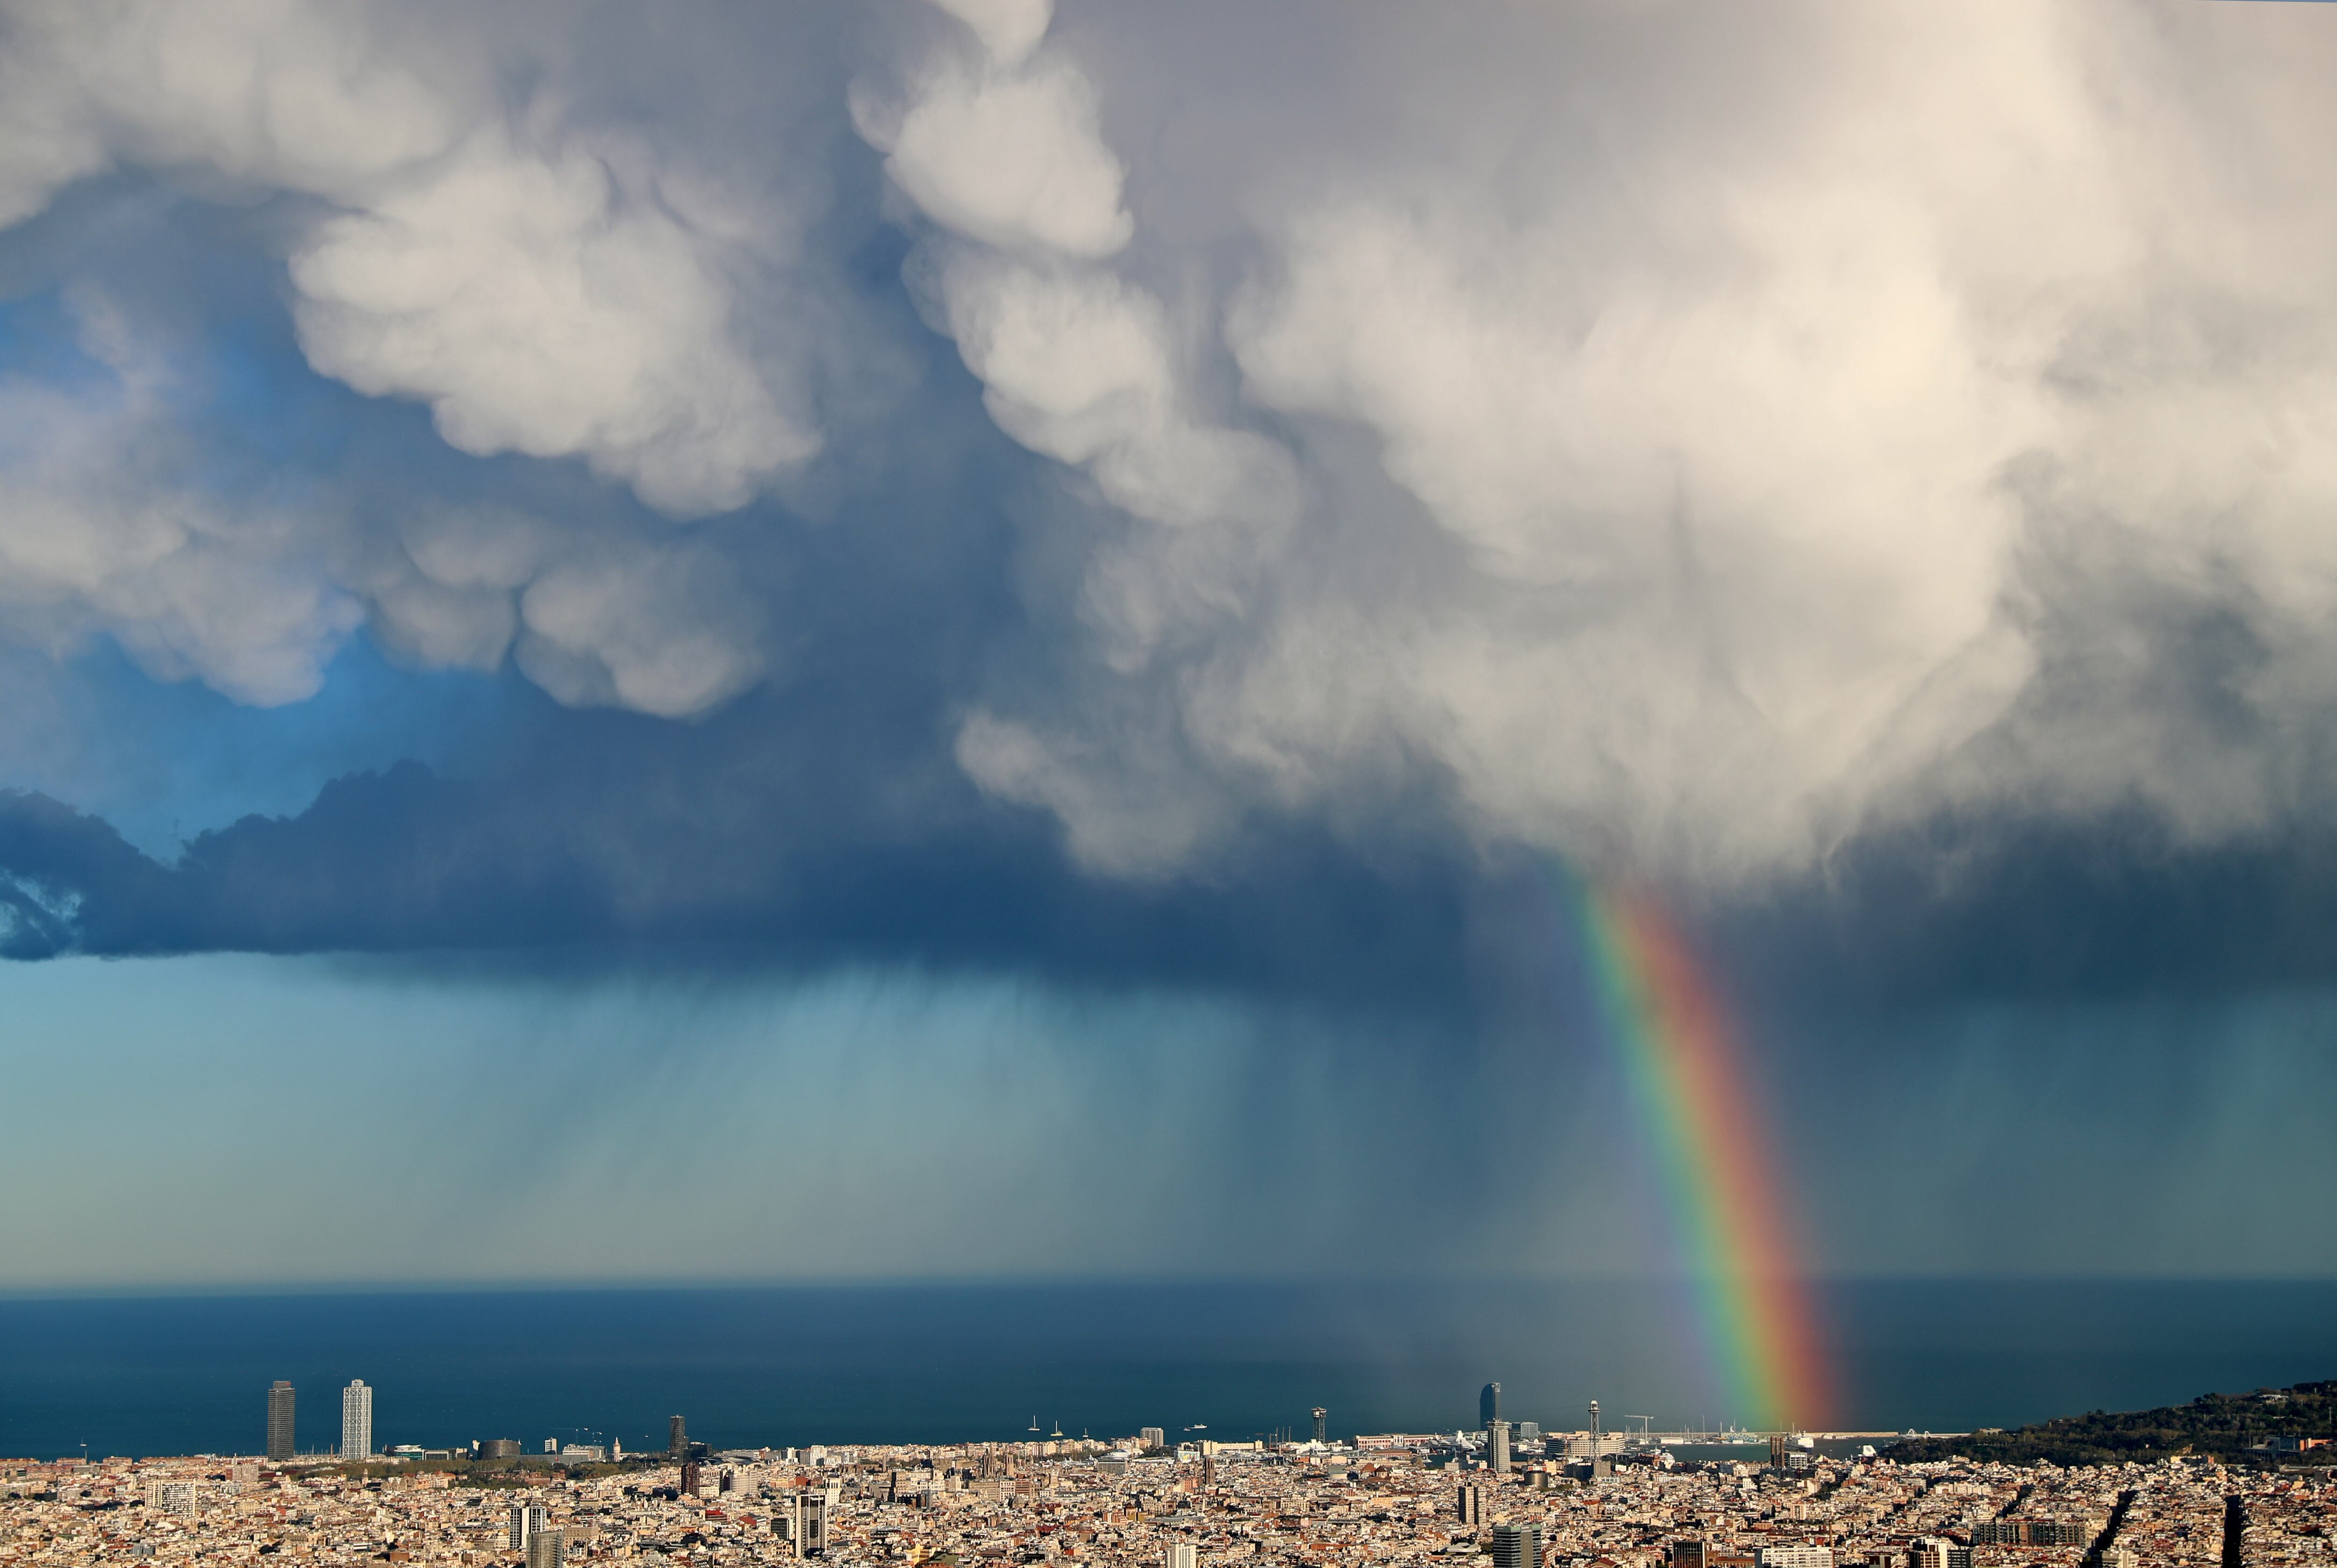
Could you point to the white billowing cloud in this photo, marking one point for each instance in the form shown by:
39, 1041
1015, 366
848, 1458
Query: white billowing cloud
540, 308
1662, 438
1080, 366
110, 527
448, 596
1774, 502
544, 290
1073, 362
444, 627
116, 522
598, 617
1078, 363
1738, 471
1013, 159
299, 94
651, 628
1112, 828
102, 531
1008, 29
46, 142
292, 92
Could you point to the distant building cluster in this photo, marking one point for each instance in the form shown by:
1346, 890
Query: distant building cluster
1584, 1501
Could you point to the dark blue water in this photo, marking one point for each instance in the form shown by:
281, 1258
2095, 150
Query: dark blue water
802, 1365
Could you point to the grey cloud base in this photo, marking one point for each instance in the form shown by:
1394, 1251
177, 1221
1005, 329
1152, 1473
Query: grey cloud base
759, 868
410, 862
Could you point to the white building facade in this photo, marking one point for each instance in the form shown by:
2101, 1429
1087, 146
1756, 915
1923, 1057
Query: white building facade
357, 1421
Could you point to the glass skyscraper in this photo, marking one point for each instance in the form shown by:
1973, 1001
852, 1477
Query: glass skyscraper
279, 1420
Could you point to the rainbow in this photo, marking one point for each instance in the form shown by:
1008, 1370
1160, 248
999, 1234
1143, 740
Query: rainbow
1680, 1062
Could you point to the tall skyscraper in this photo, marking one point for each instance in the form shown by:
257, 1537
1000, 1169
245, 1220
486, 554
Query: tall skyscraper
527, 1520
1183, 1554
1489, 1406
357, 1421
546, 1549
676, 1439
1517, 1547
1471, 1508
1319, 1414
804, 1519
279, 1420
1499, 1446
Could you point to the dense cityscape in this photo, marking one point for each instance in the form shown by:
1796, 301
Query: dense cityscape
1504, 1496
792, 725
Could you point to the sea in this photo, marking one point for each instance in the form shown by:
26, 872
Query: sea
754, 1367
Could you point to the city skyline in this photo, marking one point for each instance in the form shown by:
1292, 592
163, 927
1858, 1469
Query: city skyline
1490, 1448
2287, 1423
1404, 1498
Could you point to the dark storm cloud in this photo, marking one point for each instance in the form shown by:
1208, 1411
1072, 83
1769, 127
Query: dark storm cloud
735, 845
1965, 912
726, 850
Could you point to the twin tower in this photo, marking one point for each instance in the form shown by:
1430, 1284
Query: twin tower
357, 1421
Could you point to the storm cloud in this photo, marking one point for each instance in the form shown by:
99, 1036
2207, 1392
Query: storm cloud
1034, 487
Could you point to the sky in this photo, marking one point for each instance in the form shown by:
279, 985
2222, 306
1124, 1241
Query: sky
980, 639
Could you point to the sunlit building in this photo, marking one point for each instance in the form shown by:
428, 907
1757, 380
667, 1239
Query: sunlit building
357, 1421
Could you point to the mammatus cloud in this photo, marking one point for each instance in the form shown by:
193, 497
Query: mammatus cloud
1631, 432
544, 289
116, 519
1740, 471
540, 302
101, 533
1084, 365
1008, 29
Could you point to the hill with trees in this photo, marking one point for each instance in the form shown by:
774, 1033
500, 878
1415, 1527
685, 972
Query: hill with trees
2268, 1425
